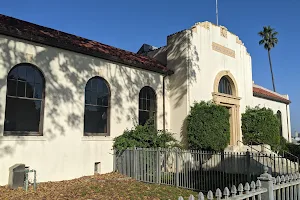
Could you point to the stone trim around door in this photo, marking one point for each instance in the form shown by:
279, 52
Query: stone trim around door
232, 102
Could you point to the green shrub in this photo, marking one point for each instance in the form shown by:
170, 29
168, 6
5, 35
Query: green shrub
143, 137
261, 126
293, 149
208, 127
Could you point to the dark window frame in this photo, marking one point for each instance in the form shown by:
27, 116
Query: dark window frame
108, 107
42, 99
154, 111
225, 86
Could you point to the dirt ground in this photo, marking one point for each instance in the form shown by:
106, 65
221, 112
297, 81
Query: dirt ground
107, 186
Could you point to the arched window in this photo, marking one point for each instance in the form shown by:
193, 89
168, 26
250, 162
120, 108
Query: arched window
24, 101
147, 106
280, 121
96, 113
225, 86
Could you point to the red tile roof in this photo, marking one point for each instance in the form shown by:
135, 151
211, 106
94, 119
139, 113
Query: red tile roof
259, 91
43, 35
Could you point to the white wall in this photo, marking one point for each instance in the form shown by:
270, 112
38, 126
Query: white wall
196, 65
206, 63
63, 152
275, 106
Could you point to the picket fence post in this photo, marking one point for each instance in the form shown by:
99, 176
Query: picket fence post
115, 160
177, 169
135, 160
267, 182
158, 169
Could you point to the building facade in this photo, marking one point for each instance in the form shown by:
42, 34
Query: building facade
63, 98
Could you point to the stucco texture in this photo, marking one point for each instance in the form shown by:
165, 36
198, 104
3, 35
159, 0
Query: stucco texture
63, 152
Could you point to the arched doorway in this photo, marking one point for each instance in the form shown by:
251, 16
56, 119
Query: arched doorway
226, 94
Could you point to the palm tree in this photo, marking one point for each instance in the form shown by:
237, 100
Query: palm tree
269, 41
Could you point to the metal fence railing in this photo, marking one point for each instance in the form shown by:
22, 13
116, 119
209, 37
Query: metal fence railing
265, 188
199, 170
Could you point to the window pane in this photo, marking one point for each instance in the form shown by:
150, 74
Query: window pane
100, 87
13, 74
94, 85
140, 104
30, 74
88, 85
104, 88
143, 117
93, 98
105, 101
152, 106
22, 72
225, 86
95, 119
148, 104
38, 77
144, 104
21, 89
102, 100
87, 97
11, 87
29, 90
38, 91
99, 100
22, 115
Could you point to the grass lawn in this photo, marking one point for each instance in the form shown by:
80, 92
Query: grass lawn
107, 186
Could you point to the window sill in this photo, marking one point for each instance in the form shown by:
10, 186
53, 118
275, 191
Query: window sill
22, 138
96, 138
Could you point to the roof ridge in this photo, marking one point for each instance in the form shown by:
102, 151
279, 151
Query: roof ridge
59, 31
276, 93
44, 35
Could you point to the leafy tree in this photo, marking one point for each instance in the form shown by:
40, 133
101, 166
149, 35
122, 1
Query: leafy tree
143, 137
261, 126
269, 40
208, 127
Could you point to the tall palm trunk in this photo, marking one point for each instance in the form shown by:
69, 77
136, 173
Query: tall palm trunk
271, 69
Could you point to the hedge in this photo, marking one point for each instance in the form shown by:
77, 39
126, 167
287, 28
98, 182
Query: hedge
261, 126
208, 127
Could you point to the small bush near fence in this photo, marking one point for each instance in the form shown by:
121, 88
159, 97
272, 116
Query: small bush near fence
145, 136
261, 126
208, 127
293, 149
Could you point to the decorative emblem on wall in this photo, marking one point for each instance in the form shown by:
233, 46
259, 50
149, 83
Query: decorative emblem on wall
223, 31
100, 72
239, 41
224, 50
28, 57
205, 25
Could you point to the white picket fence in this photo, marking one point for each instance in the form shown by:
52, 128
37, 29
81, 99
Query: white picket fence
266, 188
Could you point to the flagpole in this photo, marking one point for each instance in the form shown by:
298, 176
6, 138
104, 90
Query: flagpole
217, 13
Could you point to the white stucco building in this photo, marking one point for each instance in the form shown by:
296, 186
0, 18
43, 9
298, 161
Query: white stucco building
64, 98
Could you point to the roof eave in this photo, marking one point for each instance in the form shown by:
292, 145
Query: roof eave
256, 94
54, 43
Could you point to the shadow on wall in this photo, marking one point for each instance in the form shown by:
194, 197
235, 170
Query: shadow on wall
76, 69
184, 134
183, 58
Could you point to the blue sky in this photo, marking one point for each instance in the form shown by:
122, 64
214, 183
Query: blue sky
128, 24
